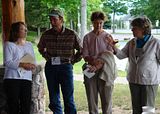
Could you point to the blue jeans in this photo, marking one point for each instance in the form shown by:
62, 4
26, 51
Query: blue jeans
60, 76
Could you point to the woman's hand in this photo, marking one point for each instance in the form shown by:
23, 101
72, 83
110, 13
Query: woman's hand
92, 69
98, 64
27, 66
90, 60
109, 40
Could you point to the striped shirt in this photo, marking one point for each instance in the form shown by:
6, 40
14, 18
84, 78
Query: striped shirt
63, 45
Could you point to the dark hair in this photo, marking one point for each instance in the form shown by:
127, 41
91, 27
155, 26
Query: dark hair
97, 15
144, 23
14, 31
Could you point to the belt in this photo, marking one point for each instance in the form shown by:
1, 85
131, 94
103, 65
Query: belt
63, 61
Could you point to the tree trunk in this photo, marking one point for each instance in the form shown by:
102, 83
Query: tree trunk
71, 24
38, 31
83, 18
113, 27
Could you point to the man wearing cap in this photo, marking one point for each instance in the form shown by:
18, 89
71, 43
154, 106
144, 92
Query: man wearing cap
57, 45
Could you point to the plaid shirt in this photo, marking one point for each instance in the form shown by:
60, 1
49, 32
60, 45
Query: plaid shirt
63, 45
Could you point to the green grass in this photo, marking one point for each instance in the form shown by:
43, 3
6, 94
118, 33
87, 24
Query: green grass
121, 97
78, 67
122, 73
39, 58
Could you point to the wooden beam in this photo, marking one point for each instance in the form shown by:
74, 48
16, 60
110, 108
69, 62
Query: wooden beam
12, 11
17, 10
6, 19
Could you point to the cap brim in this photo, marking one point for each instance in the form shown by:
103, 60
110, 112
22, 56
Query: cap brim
53, 15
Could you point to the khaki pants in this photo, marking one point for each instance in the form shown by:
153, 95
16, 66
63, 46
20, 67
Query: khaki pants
94, 86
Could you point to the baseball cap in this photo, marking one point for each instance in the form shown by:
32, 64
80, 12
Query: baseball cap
56, 12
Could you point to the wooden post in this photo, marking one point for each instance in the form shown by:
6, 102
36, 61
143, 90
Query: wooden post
6, 18
12, 11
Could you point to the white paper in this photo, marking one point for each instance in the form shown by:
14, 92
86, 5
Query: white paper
28, 58
21, 72
88, 74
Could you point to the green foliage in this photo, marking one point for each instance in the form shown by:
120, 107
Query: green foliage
93, 5
116, 6
107, 23
139, 7
39, 58
36, 14
31, 36
149, 8
153, 11
37, 11
31, 39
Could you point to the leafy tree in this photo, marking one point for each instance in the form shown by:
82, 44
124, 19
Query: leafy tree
139, 7
107, 24
36, 14
115, 7
93, 5
153, 11
150, 8
71, 10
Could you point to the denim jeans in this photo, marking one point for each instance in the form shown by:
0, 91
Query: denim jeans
60, 77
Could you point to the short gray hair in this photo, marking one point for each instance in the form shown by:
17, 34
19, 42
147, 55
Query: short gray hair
144, 23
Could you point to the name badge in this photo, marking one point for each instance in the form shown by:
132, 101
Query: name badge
56, 60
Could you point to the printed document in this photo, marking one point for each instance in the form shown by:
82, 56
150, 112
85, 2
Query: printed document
88, 74
28, 58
